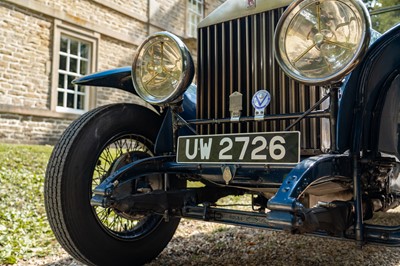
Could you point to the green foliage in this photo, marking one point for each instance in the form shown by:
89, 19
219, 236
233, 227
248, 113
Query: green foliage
383, 21
24, 230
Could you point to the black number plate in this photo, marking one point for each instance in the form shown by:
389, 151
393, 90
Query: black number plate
252, 148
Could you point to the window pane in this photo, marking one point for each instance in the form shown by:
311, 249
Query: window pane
61, 79
81, 89
74, 47
195, 14
200, 8
84, 50
70, 100
63, 62
60, 100
70, 85
64, 45
81, 102
73, 65
74, 58
84, 68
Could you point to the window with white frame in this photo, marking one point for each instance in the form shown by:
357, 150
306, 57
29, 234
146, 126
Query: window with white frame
74, 61
195, 12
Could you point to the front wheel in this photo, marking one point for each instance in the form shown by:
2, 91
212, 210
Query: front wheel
94, 146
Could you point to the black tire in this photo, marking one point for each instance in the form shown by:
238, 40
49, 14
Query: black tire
70, 178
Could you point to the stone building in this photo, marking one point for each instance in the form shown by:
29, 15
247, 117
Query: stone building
44, 44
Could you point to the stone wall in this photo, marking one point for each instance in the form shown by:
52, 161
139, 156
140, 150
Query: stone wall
169, 14
212, 5
102, 16
26, 54
28, 129
113, 54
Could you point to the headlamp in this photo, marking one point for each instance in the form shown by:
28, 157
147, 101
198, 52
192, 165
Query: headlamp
320, 41
162, 69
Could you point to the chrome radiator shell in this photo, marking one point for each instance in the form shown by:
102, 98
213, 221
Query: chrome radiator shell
237, 55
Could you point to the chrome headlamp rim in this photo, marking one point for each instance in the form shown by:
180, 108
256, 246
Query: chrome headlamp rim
185, 78
339, 75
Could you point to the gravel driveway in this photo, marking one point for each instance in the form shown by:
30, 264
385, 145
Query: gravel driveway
200, 243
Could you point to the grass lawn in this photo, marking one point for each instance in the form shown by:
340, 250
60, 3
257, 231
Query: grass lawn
24, 230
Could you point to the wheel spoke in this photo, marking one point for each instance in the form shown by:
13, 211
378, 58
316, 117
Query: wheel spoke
115, 155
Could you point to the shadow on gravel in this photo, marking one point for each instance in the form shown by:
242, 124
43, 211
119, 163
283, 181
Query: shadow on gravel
244, 246
199, 243
64, 262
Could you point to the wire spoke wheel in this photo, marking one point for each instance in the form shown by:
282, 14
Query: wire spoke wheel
92, 148
118, 153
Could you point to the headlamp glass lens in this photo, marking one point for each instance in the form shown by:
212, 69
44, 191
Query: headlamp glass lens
159, 67
320, 39
162, 69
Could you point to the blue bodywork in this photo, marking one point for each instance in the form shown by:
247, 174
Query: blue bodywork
359, 103
115, 78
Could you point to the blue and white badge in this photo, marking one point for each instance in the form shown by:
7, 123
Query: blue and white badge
260, 100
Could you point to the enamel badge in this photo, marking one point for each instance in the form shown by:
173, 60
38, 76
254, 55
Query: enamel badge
260, 101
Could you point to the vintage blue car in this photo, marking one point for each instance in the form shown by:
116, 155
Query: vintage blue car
296, 104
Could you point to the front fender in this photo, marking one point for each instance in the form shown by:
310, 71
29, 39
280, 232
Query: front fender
363, 97
119, 78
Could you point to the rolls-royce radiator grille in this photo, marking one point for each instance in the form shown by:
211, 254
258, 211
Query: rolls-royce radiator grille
238, 56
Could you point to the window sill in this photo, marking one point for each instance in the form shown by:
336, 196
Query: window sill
21, 110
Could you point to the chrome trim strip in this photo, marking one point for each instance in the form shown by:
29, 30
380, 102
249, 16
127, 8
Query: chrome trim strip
313, 122
208, 78
264, 50
303, 106
200, 78
217, 101
239, 63
248, 71
223, 67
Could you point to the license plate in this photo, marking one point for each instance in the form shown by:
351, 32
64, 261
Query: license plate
249, 148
